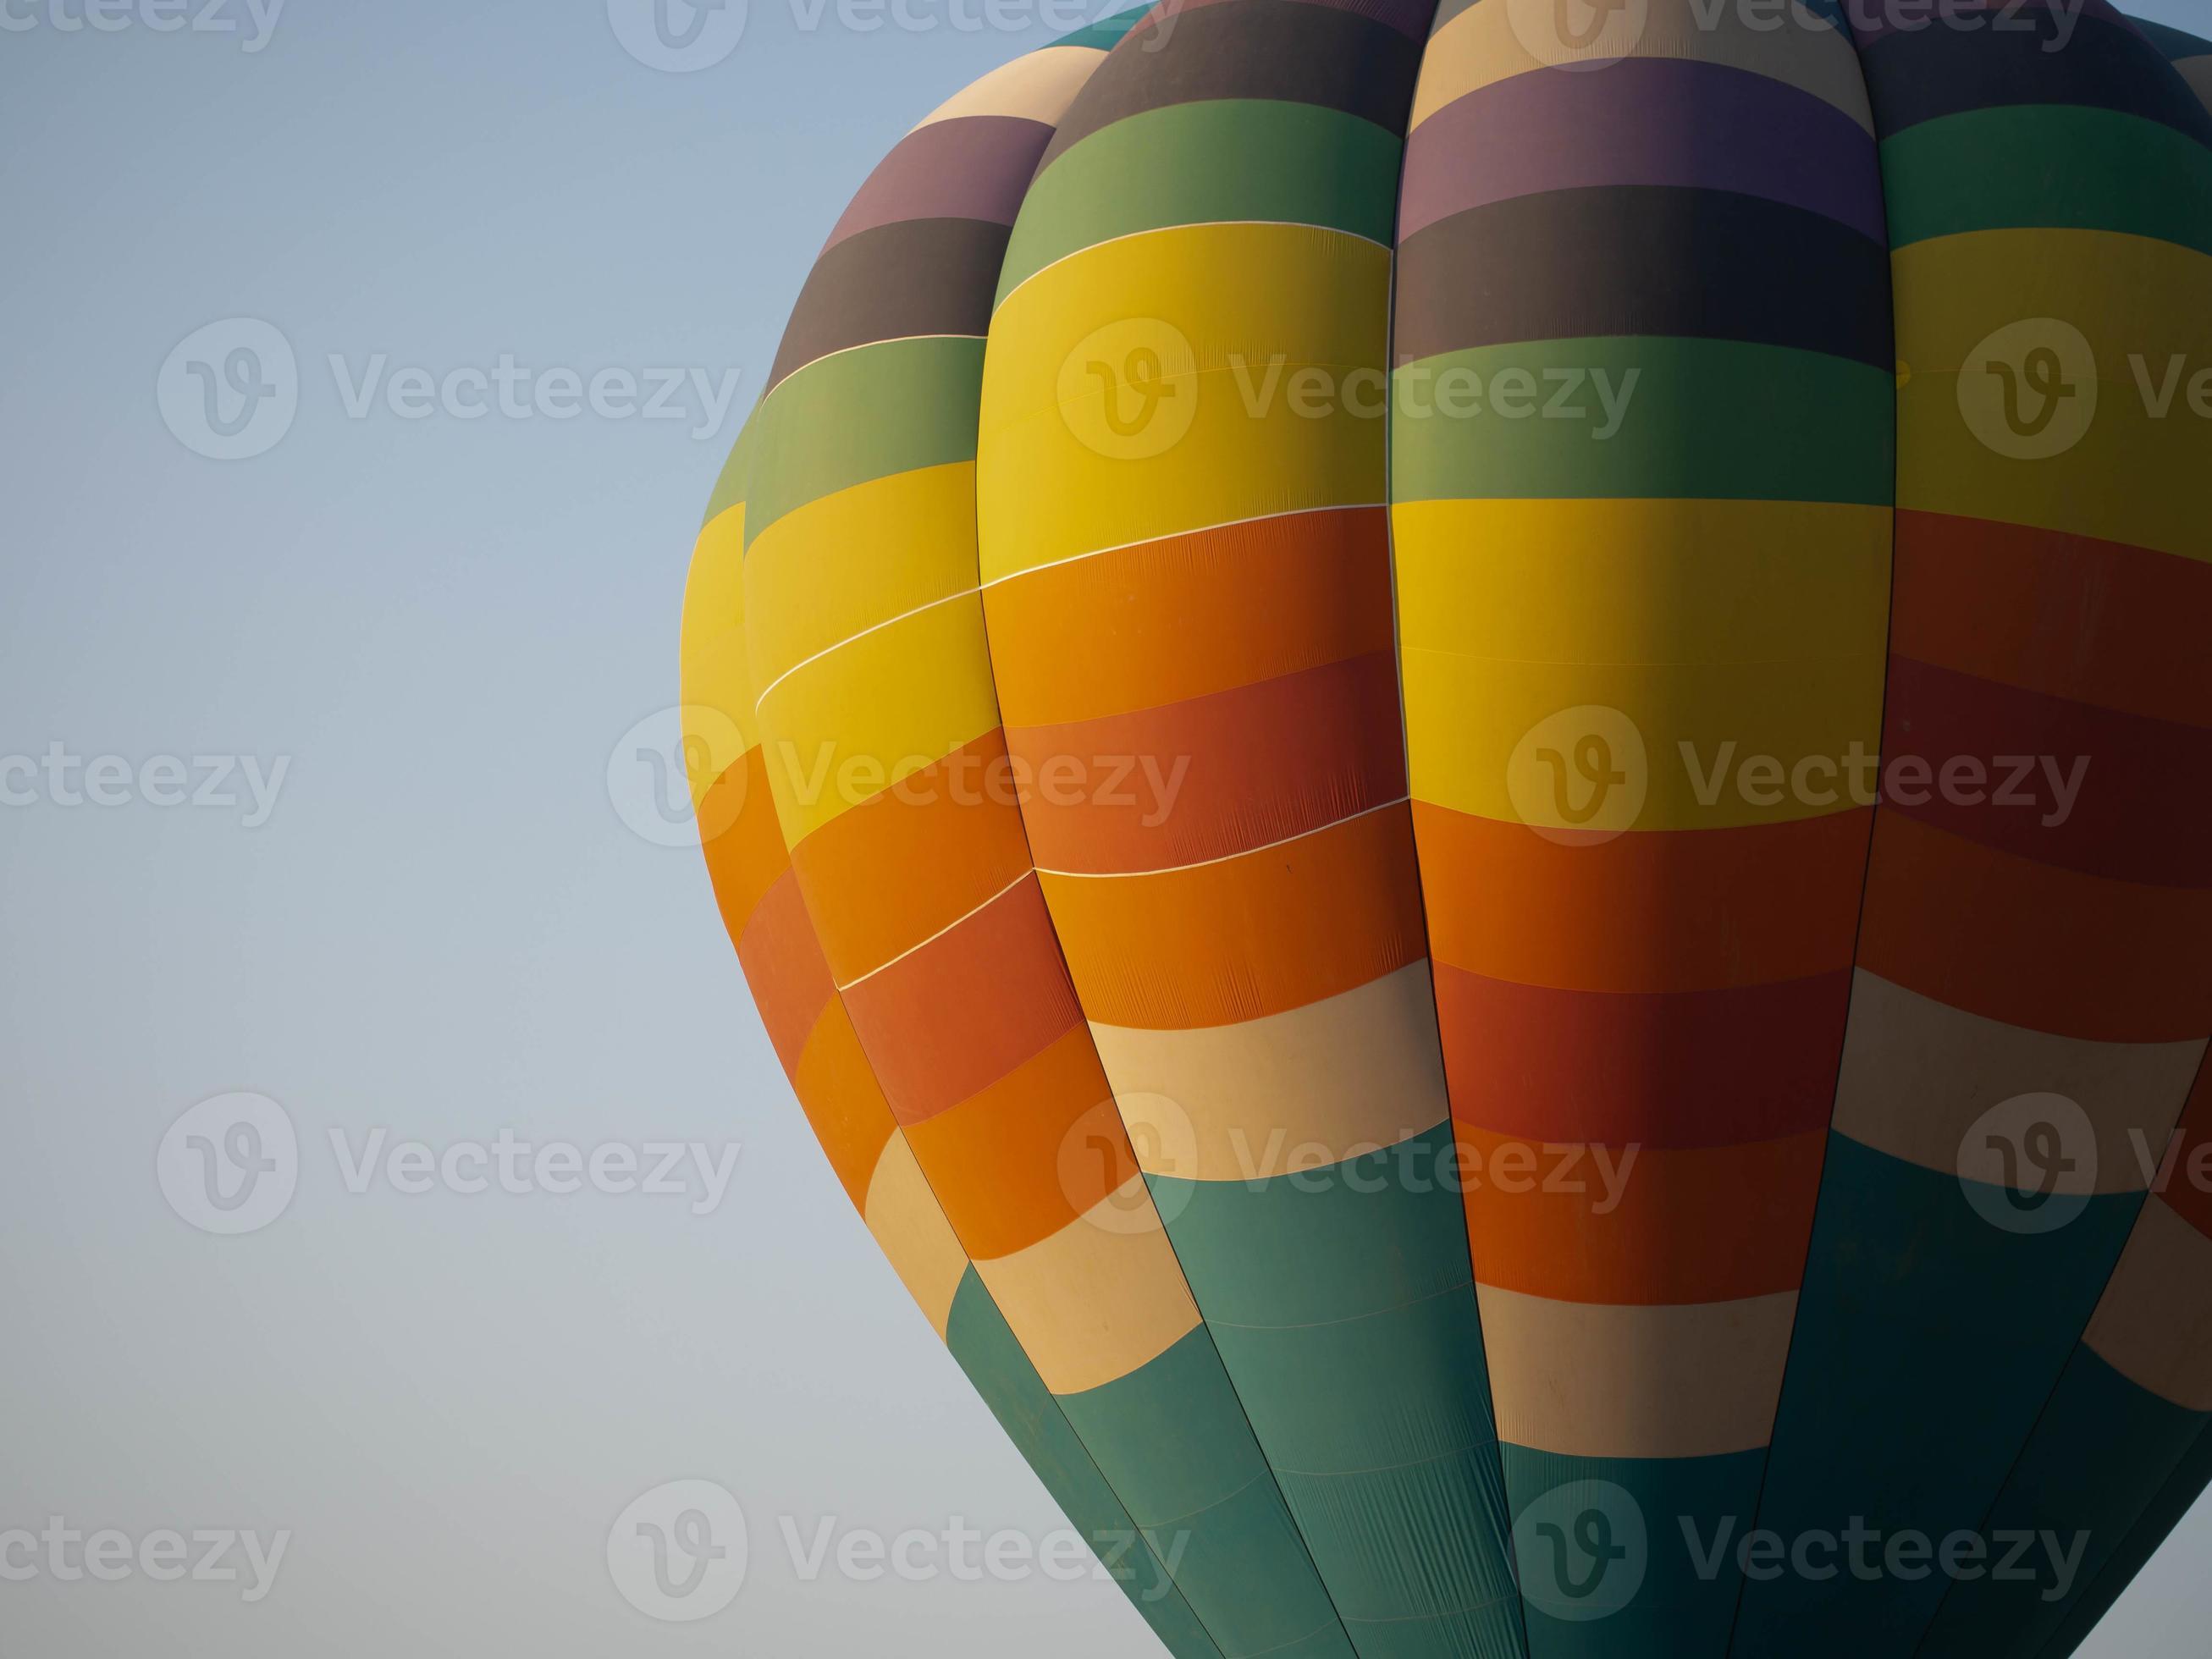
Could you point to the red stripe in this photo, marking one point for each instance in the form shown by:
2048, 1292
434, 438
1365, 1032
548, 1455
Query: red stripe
1673, 1069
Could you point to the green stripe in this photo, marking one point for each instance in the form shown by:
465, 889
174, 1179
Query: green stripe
730, 487
1704, 420
1106, 31
1672, 1592
1225, 159
987, 1350
2048, 166
1183, 1460
869, 413
1342, 1301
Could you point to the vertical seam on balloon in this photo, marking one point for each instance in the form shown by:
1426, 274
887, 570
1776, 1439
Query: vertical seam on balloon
1866, 877
898, 1133
1497, 1458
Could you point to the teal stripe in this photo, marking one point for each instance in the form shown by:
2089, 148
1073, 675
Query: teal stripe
2048, 166
1342, 1303
1928, 1341
985, 1348
1182, 1455
1106, 32
1676, 1524
1217, 162
1706, 420
2104, 1449
868, 413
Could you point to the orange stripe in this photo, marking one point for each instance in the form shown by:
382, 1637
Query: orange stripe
1651, 911
1714, 1224
745, 859
967, 1008
783, 963
1215, 775
1110, 633
908, 863
2097, 621
838, 1093
1261, 933
1019, 1162
2032, 945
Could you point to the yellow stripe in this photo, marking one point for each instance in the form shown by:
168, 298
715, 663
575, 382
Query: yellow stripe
826, 571
715, 675
2101, 306
1500, 38
847, 726
1620, 581
1213, 310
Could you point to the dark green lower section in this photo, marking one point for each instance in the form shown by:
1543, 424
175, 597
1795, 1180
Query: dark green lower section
1342, 1304
1929, 1339
1630, 1557
1181, 1454
985, 1347
2100, 1454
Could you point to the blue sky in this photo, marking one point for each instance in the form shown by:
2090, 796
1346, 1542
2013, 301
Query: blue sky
445, 924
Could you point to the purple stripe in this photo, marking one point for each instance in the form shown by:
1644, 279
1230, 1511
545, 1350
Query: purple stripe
972, 166
1411, 18
1642, 121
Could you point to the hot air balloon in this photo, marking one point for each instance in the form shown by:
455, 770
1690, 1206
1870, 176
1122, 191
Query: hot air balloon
1462, 753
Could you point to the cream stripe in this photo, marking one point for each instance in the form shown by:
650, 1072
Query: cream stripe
1951, 1091
1588, 1380
1038, 86
2154, 1325
909, 1225
1355, 1073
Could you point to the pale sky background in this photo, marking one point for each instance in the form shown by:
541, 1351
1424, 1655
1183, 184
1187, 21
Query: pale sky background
445, 927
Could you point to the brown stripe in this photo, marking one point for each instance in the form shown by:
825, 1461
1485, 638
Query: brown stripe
1649, 260
1256, 49
975, 168
919, 276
